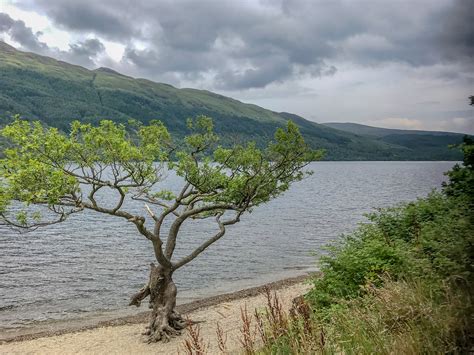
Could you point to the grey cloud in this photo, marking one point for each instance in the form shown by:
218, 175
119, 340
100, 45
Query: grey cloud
430, 102
98, 16
169, 60
187, 37
255, 78
142, 58
21, 34
6, 22
456, 37
330, 71
81, 53
90, 47
253, 44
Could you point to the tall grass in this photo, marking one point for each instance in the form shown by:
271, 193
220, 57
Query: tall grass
403, 318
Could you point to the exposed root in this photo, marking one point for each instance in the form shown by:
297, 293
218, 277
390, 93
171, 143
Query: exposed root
165, 329
163, 334
177, 322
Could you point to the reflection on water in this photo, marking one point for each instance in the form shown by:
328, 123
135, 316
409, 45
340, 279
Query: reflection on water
94, 262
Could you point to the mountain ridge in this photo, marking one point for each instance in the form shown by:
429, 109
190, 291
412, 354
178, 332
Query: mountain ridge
434, 142
364, 129
56, 92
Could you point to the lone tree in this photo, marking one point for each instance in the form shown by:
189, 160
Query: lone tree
64, 173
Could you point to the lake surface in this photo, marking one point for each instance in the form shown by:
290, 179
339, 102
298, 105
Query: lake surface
91, 264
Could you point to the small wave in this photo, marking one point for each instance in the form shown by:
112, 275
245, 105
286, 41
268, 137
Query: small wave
7, 307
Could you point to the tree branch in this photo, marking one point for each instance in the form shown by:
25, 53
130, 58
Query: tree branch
138, 297
210, 241
34, 226
122, 198
150, 212
174, 229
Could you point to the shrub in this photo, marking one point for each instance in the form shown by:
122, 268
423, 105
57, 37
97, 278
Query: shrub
360, 260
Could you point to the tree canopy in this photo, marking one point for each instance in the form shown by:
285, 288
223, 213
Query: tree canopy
44, 166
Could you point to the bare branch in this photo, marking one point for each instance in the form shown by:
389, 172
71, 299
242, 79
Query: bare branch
174, 229
91, 195
210, 241
34, 226
140, 225
155, 202
183, 194
207, 208
122, 199
150, 212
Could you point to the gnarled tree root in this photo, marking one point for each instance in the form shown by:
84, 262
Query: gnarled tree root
165, 322
164, 327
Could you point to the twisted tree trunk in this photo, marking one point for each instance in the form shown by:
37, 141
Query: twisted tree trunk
165, 322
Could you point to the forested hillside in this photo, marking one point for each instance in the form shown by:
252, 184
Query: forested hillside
55, 92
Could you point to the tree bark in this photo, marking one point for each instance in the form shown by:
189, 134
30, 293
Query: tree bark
165, 322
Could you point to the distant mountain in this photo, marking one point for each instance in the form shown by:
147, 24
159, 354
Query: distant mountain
365, 130
55, 92
433, 143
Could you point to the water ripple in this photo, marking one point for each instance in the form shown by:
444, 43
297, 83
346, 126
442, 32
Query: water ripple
93, 263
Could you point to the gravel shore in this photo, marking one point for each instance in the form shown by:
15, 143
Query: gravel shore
123, 335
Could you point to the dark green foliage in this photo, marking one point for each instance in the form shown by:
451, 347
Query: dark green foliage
435, 146
461, 178
362, 258
437, 229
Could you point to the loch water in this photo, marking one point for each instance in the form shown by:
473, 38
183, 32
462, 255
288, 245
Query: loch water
92, 263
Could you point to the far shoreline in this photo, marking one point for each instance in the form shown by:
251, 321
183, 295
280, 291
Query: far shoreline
64, 327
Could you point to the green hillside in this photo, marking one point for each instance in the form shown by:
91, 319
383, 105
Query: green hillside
55, 92
429, 142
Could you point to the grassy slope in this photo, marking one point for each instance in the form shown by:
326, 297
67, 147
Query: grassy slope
56, 92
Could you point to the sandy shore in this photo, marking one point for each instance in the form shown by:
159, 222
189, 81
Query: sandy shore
123, 336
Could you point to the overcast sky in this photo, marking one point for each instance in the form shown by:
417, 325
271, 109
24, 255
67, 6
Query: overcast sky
393, 63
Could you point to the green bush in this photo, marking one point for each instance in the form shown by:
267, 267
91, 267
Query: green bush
437, 229
461, 177
361, 259
432, 237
